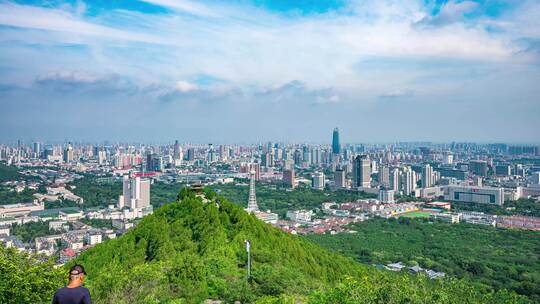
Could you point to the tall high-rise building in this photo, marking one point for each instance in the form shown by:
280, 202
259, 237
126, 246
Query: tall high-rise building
177, 151
394, 179
535, 178
68, 154
384, 176
478, 167
37, 149
191, 154
267, 159
336, 147
211, 154
361, 172
317, 181
408, 181
289, 178
427, 176
339, 178
252, 200
135, 194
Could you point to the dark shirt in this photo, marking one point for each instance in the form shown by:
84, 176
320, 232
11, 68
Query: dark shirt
77, 295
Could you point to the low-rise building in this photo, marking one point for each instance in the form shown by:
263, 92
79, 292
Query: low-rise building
20, 209
453, 218
303, 216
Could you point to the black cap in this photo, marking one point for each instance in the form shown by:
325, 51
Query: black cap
77, 269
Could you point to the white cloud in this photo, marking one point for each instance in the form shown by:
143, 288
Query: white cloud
398, 93
186, 87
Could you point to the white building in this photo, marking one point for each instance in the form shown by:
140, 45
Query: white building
473, 194
386, 196
135, 194
93, 238
317, 181
302, 216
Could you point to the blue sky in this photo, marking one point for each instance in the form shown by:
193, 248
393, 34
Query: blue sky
255, 70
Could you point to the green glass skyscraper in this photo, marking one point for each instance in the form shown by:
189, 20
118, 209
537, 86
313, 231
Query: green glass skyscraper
336, 148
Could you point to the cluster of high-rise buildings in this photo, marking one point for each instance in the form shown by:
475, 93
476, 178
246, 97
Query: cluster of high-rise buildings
420, 169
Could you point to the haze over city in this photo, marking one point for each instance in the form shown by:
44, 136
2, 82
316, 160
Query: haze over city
247, 71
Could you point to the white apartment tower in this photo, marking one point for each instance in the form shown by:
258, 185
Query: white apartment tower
135, 194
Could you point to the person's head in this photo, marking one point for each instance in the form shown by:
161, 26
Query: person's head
77, 274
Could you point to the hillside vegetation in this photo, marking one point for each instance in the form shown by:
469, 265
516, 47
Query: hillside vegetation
499, 258
193, 250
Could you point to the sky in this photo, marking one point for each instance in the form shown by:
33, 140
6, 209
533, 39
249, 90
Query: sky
282, 70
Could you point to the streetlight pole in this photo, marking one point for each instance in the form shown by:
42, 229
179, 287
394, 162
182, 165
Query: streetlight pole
248, 245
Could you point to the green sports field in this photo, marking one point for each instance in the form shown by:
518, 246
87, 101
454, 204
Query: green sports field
416, 214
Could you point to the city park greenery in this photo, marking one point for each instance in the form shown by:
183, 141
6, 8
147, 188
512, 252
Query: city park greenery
488, 256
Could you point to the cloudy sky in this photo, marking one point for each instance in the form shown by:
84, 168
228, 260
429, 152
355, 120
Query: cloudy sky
282, 70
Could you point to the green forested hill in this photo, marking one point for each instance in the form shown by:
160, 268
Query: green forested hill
191, 250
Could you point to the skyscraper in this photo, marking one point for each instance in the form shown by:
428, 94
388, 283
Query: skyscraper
394, 179
478, 167
252, 200
361, 172
384, 176
336, 148
177, 150
427, 176
317, 181
339, 178
135, 194
288, 177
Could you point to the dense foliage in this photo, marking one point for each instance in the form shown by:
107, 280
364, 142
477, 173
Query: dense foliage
96, 193
9, 173
7, 196
29, 231
523, 206
27, 278
499, 258
194, 250
279, 199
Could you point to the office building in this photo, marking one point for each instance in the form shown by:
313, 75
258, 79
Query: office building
384, 176
317, 181
535, 178
361, 172
478, 167
503, 170
336, 147
474, 194
408, 181
340, 178
135, 193
386, 196
427, 176
289, 178
177, 151
68, 154
191, 154
394, 179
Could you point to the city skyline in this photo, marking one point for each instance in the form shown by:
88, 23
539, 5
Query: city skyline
249, 71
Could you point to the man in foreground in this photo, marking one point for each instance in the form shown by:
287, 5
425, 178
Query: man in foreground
73, 293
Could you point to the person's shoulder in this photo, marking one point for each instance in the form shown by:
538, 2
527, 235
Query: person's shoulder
84, 289
62, 289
